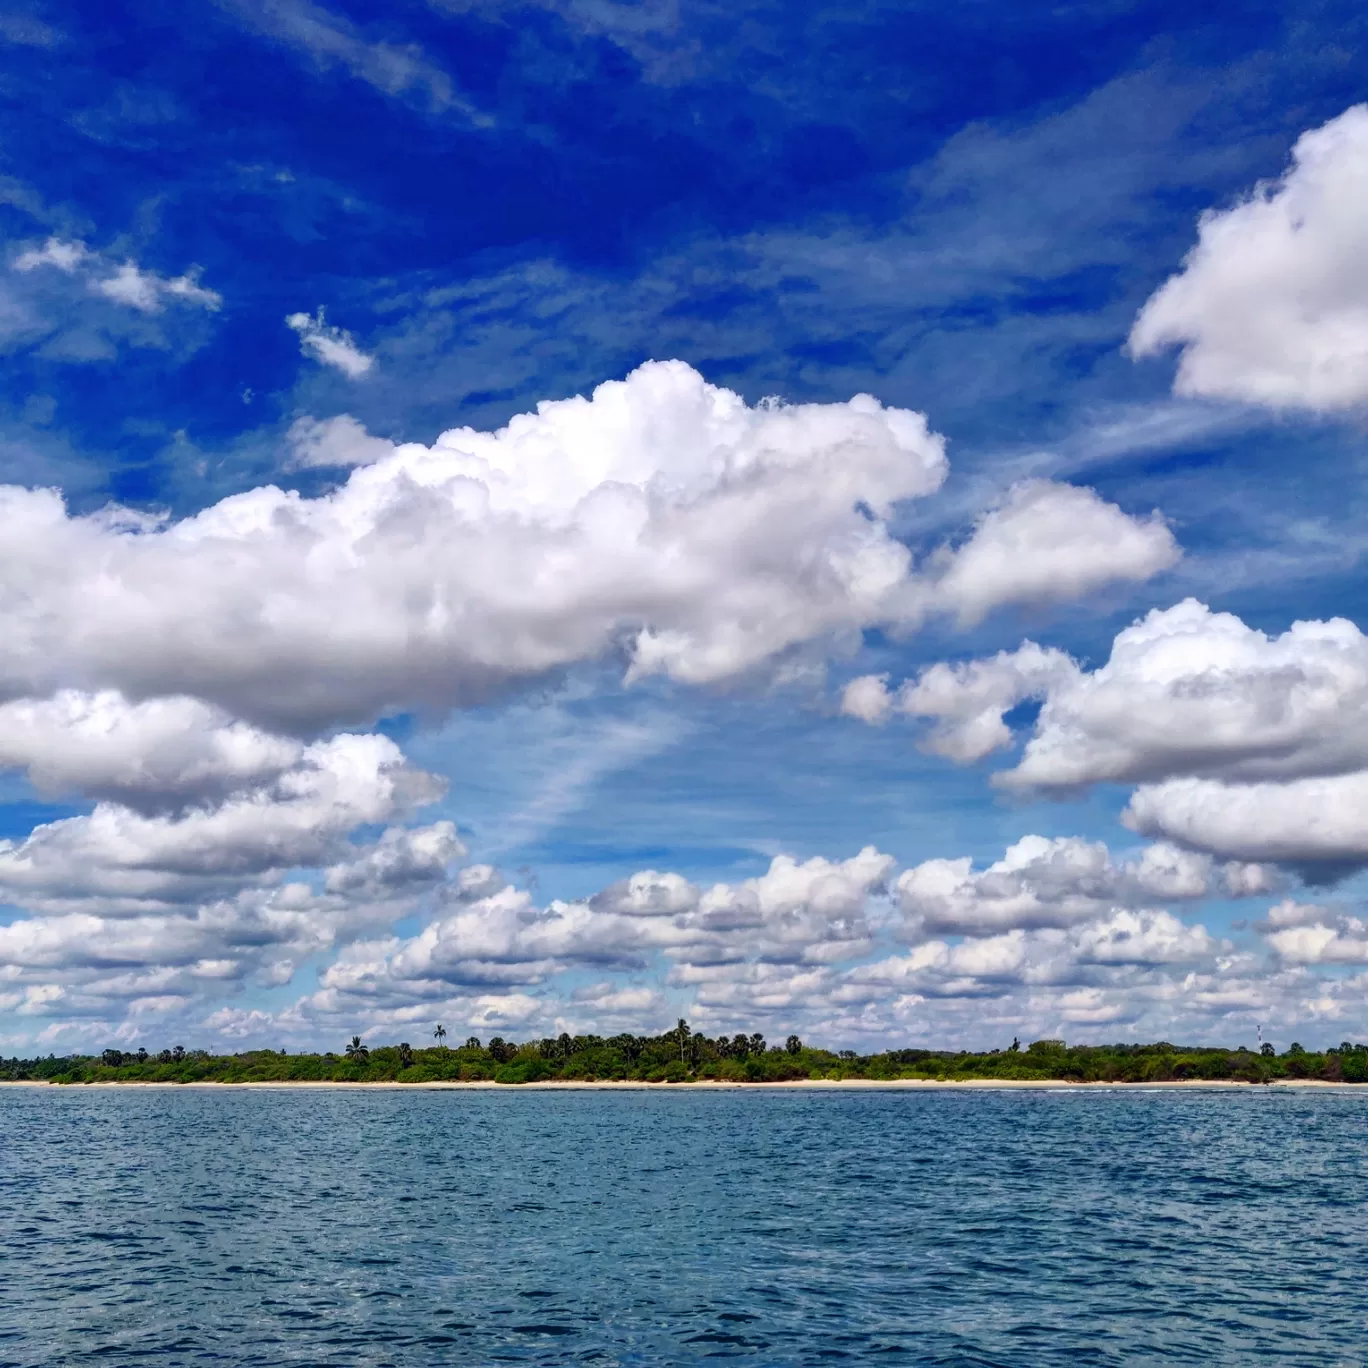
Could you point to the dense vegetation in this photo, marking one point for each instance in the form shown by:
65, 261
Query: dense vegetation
680, 1056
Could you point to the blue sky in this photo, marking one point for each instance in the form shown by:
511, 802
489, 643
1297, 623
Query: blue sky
469, 209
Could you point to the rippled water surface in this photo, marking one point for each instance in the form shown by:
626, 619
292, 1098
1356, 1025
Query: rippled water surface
667, 1227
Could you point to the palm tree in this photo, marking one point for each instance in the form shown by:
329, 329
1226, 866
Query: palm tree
405, 1055
357, 1051
682, 1035
439, 1035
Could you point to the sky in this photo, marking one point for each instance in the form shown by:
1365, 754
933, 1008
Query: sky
563, 515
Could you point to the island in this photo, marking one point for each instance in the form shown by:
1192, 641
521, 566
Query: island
683, 1056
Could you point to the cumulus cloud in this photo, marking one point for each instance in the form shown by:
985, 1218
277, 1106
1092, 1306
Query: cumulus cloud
301, 817
1248, 746
1046, 882
811, 911
1271, 306
1050, 542
148, 755
1302, 934
339, 441
1101, 953
1184, 691
662, 518
1058, 933
1188, 691
331, 346
1299, 822
967, 700
93, 965
867, 698
402, 860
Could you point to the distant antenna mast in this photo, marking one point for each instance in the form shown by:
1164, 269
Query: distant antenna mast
1260, 1030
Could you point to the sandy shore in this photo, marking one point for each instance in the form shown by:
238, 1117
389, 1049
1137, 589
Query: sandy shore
817, 1084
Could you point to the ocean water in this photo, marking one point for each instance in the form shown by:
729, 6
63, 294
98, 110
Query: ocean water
187, 1226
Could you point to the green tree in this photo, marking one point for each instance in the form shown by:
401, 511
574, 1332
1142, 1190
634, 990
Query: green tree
439, 1035
793, 1045
405, 1055
473, 1043
356, 1051
682, 1034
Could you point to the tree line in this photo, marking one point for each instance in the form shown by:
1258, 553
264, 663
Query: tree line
682, 1055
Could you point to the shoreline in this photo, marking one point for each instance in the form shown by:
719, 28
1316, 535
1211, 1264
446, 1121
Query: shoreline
706, 1085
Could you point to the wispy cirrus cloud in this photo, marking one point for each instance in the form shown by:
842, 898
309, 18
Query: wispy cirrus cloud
329, 39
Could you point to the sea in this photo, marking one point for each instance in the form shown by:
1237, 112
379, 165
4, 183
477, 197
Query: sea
668, 1226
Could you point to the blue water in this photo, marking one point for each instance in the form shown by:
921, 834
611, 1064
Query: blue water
669, 1227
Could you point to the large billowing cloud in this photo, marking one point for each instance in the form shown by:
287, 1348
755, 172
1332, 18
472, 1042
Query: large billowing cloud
1271, 306
1248, 746
1190, 692
662, 519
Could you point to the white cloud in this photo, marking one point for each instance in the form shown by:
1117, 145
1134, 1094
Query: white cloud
1091, 952
1300, 934
1185, 692
64, 254
1046, 882
968, 700
301, 817
339, 441
148, 292
330, 39
1048, 543
1248, 746
868, 699
159, 752
1321, 820
662, 518
810, 912
331, 346
1271, 306
127, 284
403, 859
662, 521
